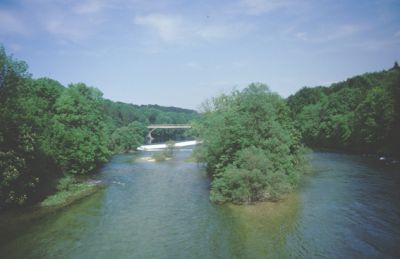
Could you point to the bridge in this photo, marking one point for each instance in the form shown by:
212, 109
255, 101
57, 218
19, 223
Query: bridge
169, 126
153, 127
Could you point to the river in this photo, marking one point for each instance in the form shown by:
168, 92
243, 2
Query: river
348, 208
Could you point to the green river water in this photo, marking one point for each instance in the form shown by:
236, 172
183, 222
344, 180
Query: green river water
348, 208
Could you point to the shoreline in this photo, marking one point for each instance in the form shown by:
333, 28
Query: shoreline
76, 192
52, 203
13, 221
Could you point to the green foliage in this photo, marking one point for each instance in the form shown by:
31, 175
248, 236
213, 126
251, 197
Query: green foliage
79, 137
170, 150
159, 156
65, 183
374, 117
250, 146
121, 114
128, 138
18, 139
165, 154
48, 131
252, 177
15, 185
359, 114
305, 96
68, 189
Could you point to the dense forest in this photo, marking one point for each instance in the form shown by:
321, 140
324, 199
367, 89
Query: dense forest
251, 147
361, 114
48, 131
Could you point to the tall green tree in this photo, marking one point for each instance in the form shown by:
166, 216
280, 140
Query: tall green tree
128, 138
79, 135
250, 146
17, 136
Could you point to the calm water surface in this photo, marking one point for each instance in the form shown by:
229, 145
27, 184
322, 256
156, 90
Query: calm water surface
349, 208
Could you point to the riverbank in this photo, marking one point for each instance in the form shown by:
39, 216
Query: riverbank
63, 198
17, 220
75, 191
386, 158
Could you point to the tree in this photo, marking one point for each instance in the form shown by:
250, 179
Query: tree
359, 114
250, 146
47, 130
395, 66
374, 119
128, 138
17, 137
78, 138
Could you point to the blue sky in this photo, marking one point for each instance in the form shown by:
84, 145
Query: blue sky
179, 52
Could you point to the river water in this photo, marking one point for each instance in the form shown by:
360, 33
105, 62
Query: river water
348, 208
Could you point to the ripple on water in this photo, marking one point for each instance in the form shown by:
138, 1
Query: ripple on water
347, 209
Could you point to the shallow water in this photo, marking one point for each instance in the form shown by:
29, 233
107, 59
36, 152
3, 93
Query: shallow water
348, 208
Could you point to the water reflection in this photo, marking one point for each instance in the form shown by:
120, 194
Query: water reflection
52, 235
263, 229
348, 208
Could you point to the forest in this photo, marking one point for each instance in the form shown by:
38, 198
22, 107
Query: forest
360, 114
49, 131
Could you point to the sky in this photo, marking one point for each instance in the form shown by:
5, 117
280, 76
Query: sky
179, 53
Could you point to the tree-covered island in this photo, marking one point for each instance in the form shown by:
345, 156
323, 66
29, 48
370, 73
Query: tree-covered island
250, 145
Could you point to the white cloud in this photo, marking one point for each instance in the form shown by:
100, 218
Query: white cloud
301, 35
258, 7
213, 32
355, 36
93, 6
182, 30
77, 24
11, 23
329, 35
89, 7
64, 20
169, 28
71, 31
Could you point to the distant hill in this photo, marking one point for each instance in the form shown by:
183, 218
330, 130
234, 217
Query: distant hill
124, 113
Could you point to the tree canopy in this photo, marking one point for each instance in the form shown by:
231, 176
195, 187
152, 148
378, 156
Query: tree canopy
48, 130
250, 146
360, 114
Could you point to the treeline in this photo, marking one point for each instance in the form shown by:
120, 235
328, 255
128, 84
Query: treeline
48, 130
251, 147
252, 139
123, 113
361, 114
